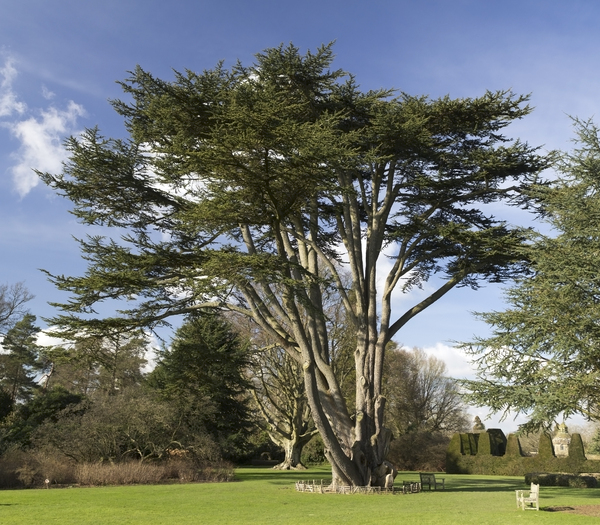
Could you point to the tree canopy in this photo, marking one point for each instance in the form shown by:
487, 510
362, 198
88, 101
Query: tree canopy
245, 189
542, 357
202, 375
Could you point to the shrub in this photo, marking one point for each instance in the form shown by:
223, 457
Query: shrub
484, 445
576, 450
497, 441
453, 455
549, 479
130, 473
313, 452
545, 448
23, 469
465, 445
513, 446
419, 451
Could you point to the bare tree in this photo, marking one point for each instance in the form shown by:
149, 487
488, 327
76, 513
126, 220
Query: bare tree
12, 304
280, 395
421, 397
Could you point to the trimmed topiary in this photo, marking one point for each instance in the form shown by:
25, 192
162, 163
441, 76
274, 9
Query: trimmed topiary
484, 446
473, 442
465, 445
576, 450
497, 441
454, 455
513, 446
545, 448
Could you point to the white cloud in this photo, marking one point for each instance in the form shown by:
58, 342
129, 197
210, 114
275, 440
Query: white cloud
40, 133
41, 144
456, 360
9, 103
47, 94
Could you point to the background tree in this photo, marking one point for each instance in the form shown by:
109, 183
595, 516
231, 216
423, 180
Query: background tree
280, 395
21, 360
278, 380
107, 362
542, 357
424, 408
12, 304
239, 187
44, 407
202, 374
421, 397
131, 425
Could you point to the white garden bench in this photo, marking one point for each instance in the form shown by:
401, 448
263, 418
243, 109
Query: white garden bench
531, 502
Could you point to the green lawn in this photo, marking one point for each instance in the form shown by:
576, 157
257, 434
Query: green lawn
264, 496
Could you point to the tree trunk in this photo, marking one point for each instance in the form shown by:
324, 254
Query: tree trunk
293, 455
293, 450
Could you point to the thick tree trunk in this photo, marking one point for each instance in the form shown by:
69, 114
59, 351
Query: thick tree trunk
356, 447
293, 456
293, 450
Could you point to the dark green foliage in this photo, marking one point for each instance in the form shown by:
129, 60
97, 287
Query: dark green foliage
313, 452
577, 460
21, 360
6, 404
465, 445
542, 359
484, 444
133, 425
202, 375
424, 451
497, 441
27, 418
546, 479
545, 448
513, 446
473, 441
512, 463
454, 454
576, 448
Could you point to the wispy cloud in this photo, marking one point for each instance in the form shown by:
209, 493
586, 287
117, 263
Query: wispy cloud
40, 132
9, 104
47, 94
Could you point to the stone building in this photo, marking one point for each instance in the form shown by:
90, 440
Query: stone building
561, 441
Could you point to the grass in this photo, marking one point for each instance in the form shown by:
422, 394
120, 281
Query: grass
262, 495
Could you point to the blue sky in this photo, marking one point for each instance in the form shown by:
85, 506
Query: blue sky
60, 60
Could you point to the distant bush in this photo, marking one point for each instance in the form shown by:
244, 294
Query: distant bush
513, 447
512, 463
313, 452
484, 444
465, 445
23, 469
576, 450
545, 448
134, 473
419, 451
548, 479
453, 454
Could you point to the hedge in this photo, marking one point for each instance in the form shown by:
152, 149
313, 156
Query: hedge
462, 459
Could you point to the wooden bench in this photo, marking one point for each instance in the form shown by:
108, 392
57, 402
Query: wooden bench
430, 481
531, 502
409, 487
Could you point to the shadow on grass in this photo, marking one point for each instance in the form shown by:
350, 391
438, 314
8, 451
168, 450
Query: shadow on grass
482, 485
454, 483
